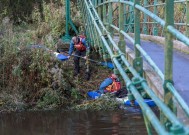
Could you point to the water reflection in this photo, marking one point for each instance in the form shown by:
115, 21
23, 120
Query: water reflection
72, 123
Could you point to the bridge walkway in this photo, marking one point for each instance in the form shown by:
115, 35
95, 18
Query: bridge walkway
180, 65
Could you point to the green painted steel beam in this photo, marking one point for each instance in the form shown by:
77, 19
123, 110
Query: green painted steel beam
120, 62
168, 98
110, 14
153, 65
171, 29
96, 3
145, 31
145, 11
100, 9
66, 38
187, 18
131, 19
162, 23
179, 99
137, 62
137, 38
148, 125
178, 35
146, 109
124, 16
155, 29
161, 74
150, 61
159, 102
169, 16
104, 12
121, 42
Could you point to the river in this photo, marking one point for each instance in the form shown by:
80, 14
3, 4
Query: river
61, 122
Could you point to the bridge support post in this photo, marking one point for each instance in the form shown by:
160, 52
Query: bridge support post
169, 18
124, 17
148, 125
155, 30
110, 10
145, 19
91, 33
100, 50
100, 9
137, 28
66, 38
95, 3
187, 18
121, 42
138, 59
131, 18
104, 12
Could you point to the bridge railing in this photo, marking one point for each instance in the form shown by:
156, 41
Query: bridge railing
102, 41
149, 25
171, 30
180, 16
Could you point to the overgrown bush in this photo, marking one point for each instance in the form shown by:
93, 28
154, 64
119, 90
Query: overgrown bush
31, 77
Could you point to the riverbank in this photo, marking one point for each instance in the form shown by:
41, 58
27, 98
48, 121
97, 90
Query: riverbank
34, 80
31, 79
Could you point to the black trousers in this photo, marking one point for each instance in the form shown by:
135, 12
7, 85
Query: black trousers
76, 60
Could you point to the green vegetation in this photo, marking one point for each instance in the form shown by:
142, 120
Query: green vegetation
30, 77
105, 103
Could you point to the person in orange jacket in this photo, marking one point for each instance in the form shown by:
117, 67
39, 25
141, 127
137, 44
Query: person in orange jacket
79, 43
110, 84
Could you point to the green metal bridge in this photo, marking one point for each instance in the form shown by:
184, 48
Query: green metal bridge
112, 26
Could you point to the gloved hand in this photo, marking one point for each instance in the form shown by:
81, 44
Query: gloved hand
68, 56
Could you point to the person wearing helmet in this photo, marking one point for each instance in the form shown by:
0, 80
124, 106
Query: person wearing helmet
110, 84
79, 44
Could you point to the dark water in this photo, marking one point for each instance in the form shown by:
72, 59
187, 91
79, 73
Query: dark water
73, 123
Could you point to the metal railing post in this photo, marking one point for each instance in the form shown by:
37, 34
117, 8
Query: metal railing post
121, 42
66, 38
187, 18
67, 16
90, 30
169, 18
99, 34
137, 28
148, 125
110, 10
100, 9
124, 16
145, 19
131, 18
95, 3
155, 30
137, 63
104, 12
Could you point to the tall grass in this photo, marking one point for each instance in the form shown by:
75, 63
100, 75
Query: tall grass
30, 77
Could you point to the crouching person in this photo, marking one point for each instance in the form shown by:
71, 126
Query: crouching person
110, 84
